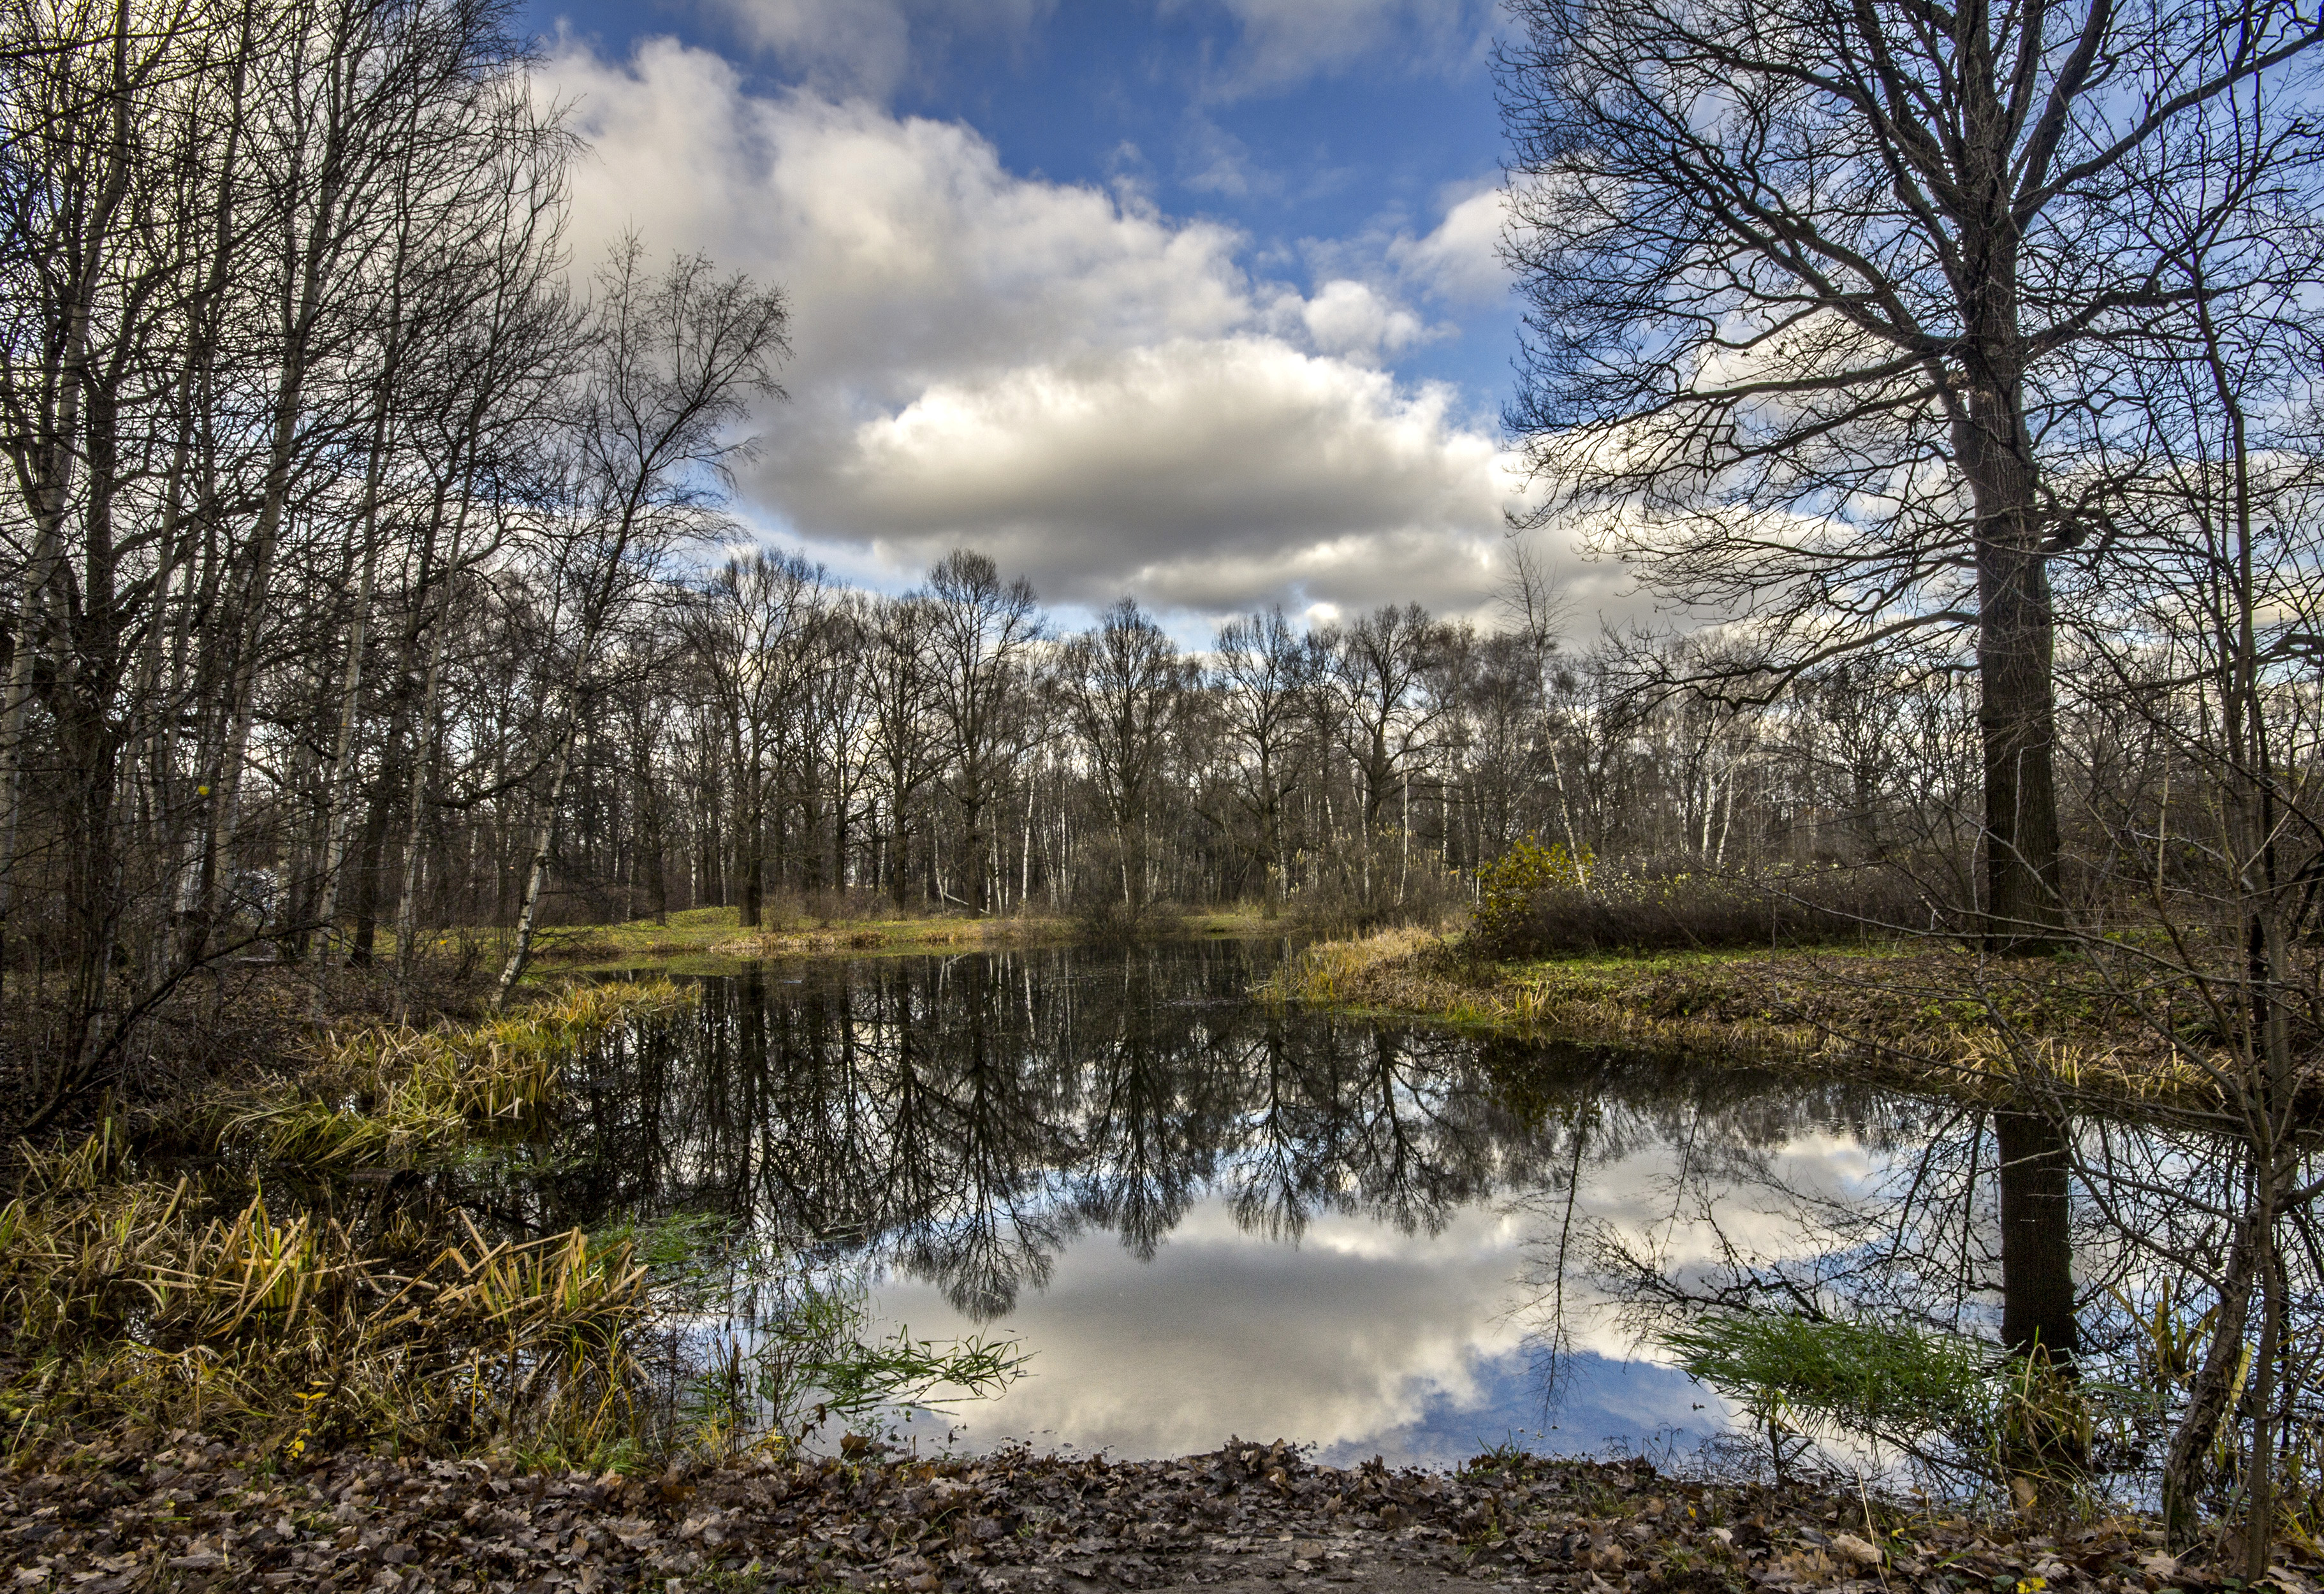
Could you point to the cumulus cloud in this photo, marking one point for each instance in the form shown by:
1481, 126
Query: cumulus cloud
1196, 473
1459, 260
1356, 321
1100, 395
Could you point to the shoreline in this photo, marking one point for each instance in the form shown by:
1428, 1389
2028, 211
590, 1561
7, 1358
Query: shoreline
1914, 1017
707, 941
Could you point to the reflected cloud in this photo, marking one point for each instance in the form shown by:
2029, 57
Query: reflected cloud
1204, 1216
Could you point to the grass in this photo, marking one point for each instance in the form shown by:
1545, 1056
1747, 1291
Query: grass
1907, 1014
137, 1303
135, 1299
712, 940
398, 1096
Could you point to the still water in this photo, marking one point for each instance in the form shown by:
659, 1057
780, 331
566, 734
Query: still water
1203, 1215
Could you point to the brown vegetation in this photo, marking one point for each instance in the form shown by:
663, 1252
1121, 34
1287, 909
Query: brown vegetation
135, 1295
1921, 1016
187, 1514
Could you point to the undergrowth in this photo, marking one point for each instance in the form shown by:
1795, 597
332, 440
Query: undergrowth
399, 1094
138, 1297
141, 1302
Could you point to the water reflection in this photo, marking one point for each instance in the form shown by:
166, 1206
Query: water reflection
1201, 1213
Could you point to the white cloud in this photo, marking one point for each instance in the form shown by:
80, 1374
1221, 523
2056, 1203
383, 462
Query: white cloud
1459, 261
1199, 473
1099, 395
1355, 321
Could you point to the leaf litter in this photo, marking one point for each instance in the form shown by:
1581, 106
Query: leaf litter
194, 1514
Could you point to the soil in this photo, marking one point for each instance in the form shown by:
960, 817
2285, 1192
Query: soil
1248, 1518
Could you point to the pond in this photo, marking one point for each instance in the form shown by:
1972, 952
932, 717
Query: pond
1205, 1215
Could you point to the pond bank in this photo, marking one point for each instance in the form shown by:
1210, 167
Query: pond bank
712, 940
188, 1514
1916, 1017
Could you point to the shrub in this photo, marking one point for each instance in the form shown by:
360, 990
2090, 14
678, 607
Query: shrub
1106, 920
1508, 887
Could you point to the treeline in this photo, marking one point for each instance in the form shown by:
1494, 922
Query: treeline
363, 584
952, 747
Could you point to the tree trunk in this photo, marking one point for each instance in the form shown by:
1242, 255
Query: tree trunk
537, 878
2209, 1395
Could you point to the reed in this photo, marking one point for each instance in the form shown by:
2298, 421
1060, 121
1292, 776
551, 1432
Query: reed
128, 1300
125, 1307
400, 1095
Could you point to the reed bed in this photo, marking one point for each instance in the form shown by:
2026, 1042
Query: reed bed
398, 1096
142, 1303
131, 1298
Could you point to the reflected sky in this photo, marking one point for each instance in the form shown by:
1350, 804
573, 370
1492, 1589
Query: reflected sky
1206, 1217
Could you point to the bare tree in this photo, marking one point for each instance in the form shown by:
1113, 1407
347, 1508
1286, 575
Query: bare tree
1125, 691
1264, 672
1807, 283
677, 359
981, 633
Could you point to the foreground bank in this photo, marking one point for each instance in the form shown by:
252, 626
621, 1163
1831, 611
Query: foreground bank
188, 1514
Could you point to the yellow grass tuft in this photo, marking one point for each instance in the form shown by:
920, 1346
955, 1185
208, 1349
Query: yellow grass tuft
126, 1307
401, 1095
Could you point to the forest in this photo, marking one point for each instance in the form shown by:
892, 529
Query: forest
375, 603
372, 579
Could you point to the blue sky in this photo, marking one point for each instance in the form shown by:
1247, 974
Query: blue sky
1193, 300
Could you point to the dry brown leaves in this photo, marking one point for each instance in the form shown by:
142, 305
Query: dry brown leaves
192, 1515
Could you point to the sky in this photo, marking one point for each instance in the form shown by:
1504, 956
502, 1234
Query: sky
1193, 301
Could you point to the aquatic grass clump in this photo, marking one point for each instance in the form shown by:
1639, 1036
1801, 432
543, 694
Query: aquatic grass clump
815, 1360
1957, 1406
1362, 972
796, 1350
402, 1095
132, 1302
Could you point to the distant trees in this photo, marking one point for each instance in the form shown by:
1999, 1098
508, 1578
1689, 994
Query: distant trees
1266, 675
1126, 693
981, 634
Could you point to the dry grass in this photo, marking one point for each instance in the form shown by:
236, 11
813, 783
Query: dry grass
711, 939
898, 936
399, 1095
137, 1302
1924, 1018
